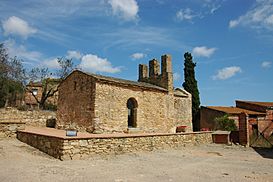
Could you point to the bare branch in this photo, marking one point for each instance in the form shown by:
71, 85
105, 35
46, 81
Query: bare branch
30, 91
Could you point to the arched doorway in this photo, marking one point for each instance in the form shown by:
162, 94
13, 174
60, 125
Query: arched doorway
132, 112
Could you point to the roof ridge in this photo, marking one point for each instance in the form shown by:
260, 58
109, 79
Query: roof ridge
123, 81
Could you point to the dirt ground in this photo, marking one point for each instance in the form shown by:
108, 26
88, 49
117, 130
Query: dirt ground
20, 162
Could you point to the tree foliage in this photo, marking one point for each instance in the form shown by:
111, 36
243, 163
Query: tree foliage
12, 77
66, 67
225, 123
190, 85
49, 84
4, 66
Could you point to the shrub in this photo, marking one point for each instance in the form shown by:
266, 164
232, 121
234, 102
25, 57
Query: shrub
50, 107
225, 123
22, 108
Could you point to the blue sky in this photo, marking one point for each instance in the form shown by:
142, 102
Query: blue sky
231, 40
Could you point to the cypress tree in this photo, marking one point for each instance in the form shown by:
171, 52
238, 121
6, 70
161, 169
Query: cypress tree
190, 85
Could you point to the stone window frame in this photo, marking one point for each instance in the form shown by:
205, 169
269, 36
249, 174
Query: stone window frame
132, 106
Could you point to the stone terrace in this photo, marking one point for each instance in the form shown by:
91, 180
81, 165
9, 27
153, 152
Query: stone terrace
55, 142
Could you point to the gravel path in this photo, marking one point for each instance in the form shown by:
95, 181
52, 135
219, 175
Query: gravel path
20, 162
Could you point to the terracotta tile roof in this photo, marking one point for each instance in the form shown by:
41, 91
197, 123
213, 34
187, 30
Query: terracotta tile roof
266, 104
34, 84
234, 110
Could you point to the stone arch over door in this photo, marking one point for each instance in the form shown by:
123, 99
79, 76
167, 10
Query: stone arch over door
132, 112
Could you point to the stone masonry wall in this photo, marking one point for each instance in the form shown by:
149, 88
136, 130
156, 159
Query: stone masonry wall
156, 112
80, 148
183, 112
31, 118
29, 98
76, 102
9, 129
243, 129
85, 102
51, 145
163, 79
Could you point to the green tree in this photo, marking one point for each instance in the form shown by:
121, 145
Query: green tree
190, 85
225, 123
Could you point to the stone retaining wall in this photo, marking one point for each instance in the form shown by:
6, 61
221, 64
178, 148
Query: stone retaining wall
31, 118
51, 145
9, 129
80, 148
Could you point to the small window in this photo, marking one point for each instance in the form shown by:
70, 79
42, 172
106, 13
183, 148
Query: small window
75, 85
132, 112
35, 91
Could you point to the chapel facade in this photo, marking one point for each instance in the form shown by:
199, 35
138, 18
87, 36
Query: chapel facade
91, 102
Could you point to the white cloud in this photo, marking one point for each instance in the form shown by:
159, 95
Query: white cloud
185, 14
73, 54
126, 9
266, 64
227, 72
233, 23
212, 5
48, 9
93, 63
138, 55
143, 37
51, 63
176, 76
204, 7
203, 51
17, 26
214, 8
260, 16
21, 52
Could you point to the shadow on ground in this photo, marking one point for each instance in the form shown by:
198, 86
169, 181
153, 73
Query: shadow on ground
264, 152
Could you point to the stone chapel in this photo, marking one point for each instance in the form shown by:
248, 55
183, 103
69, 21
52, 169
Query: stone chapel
91, 102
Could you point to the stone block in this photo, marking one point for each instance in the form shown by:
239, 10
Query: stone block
66, 147
47, 144
83, 143
65, 157
76, 156
74, 143
12, 127
75, 150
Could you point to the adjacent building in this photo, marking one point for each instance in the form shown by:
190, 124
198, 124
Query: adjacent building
254, 121
208, 115
35, 89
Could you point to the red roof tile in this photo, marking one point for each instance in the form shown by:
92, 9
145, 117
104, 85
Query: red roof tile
234, 110
266, 104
